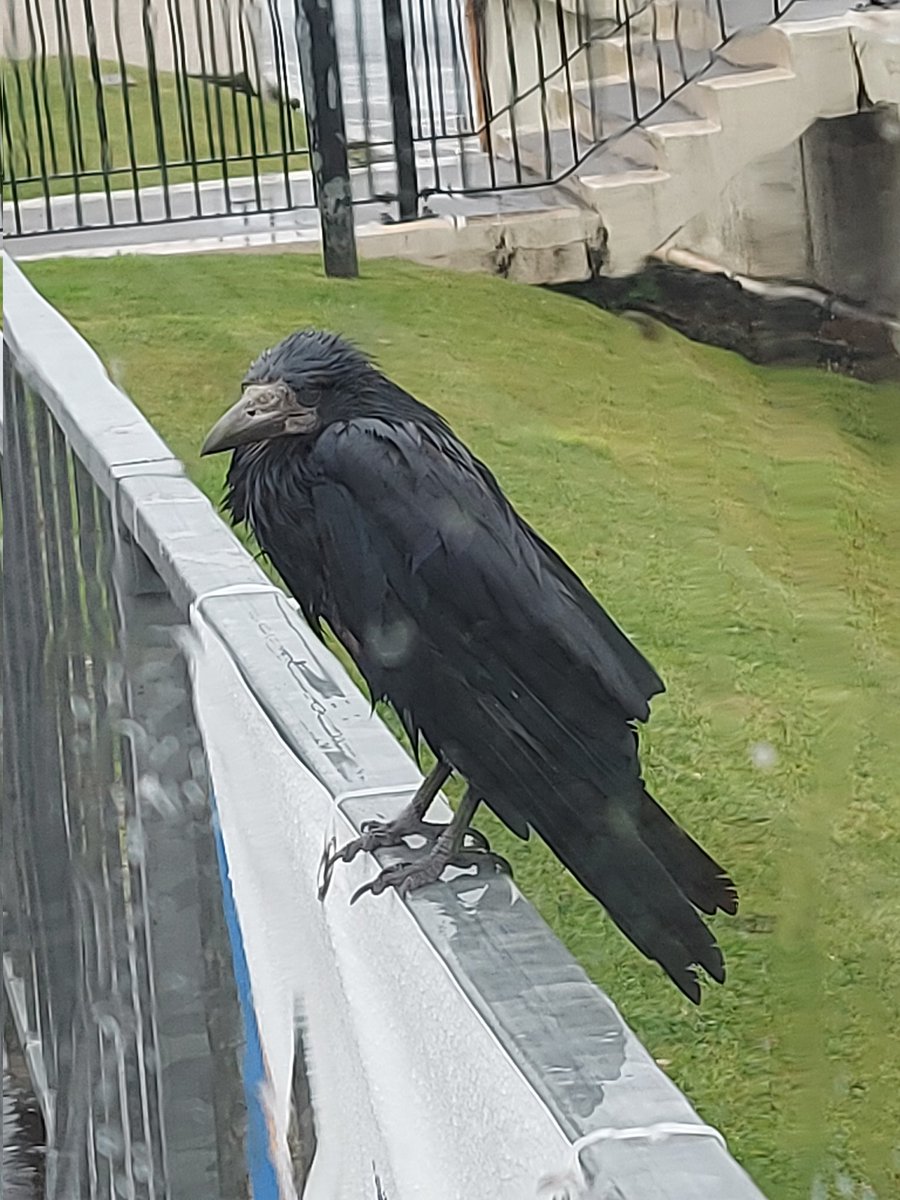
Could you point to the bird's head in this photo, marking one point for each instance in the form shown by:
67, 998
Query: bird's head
308, 380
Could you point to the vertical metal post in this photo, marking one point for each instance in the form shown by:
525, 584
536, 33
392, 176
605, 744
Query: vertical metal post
398, 83
324, 105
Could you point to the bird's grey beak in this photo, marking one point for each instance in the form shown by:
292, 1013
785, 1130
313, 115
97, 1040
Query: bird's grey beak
265, 410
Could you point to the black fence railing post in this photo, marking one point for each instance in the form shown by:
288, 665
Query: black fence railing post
324, 106
401, 113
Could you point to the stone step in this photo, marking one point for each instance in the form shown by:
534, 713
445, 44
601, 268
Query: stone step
606, 108
744, 109
554, 154
608, 124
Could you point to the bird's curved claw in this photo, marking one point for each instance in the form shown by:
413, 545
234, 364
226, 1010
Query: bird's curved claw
390, 877
348, 852
372, 886
329, 860
404, 877
326, 866
373, 836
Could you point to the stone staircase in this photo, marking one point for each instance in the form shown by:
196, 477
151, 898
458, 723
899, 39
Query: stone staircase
758, 94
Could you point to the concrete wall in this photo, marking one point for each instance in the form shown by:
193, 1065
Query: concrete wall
757, 226
852, 171
824, 210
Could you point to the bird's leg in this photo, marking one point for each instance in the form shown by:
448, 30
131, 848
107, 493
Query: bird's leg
376, 834
447, 849
409, 821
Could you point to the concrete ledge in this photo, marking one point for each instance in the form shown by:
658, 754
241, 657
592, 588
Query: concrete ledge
550, 246
876, 45
537, 248
79, 393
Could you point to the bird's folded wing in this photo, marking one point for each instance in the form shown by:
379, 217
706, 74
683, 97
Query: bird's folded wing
538, 687
404, 514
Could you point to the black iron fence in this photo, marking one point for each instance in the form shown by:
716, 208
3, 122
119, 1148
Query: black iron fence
137, 112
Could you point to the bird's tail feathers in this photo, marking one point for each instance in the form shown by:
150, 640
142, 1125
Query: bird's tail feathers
698, 875
638, 892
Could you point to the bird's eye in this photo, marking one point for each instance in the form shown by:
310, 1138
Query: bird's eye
251, 412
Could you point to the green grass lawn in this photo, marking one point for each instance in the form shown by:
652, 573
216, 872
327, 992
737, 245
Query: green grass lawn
742, 525
197, 123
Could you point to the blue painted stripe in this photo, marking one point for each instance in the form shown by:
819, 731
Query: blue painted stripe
261, 1170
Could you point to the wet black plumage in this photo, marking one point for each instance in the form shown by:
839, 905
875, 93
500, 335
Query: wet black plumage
385, 526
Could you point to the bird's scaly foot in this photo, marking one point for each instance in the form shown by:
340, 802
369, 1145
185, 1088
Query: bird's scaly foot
406, 877
409, 822
376, 835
